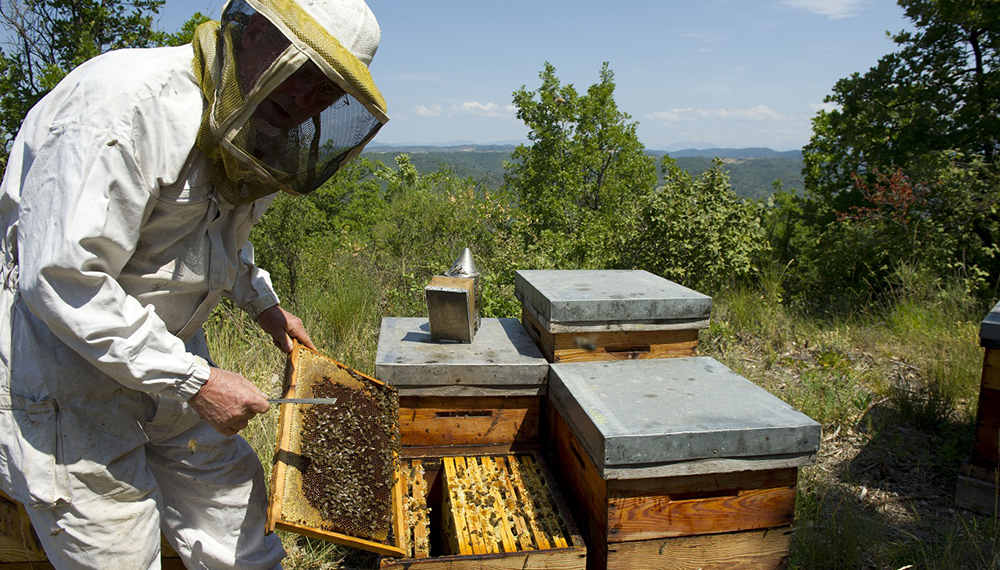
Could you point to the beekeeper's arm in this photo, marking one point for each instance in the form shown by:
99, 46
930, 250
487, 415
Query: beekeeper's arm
252, 291
83, 203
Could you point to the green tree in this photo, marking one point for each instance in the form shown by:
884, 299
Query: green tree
186, 33
902, 171
281, 239
698, 232
580, 180
940, 92
48, 38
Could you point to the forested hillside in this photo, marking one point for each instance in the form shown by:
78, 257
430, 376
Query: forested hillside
752, 172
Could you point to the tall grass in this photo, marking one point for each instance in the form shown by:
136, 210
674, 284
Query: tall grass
895, 387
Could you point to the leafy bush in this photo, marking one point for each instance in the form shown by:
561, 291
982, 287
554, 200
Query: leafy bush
943, 218
697, 232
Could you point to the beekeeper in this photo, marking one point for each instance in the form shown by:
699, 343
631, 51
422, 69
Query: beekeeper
128, 198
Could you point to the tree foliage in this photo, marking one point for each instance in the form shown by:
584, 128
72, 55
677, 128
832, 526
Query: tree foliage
48, 38
698, 232
579, 181
940, 92
903, 170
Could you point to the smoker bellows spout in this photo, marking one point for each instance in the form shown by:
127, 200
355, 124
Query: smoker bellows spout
464, 266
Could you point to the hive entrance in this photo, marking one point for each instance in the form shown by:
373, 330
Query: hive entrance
335, 467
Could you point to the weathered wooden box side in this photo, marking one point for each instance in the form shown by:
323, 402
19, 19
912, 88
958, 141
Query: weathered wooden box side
765, 549
438, 425
977, 488
987, 439
588, 345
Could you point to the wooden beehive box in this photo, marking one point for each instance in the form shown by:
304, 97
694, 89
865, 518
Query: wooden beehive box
469, 416
335, 467
977, 482
483, 396
586, 315
676, 463
18, 541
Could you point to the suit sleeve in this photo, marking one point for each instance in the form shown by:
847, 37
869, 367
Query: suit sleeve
83, 203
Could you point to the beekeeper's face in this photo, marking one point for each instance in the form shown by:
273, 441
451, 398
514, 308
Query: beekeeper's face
305, 94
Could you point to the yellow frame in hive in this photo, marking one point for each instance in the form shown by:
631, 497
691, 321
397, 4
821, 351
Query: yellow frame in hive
288, 509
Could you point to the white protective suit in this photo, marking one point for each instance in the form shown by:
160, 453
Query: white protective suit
116, 250
116, 247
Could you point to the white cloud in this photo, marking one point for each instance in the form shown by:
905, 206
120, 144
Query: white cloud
758, 113
491, 110
817, 107
432, 111
468, 108
833, 9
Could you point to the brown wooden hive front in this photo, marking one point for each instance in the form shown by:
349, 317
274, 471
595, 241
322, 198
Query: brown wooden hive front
640, 342
719, 521
978, 479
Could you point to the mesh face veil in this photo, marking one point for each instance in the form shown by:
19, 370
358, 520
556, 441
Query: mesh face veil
290, 98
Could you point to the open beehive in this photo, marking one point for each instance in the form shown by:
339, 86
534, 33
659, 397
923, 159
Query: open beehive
335, 467
463, 510
476, 492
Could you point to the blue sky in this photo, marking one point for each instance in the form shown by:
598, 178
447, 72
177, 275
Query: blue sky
726, 73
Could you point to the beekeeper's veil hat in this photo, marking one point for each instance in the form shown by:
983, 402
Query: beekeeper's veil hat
290, 97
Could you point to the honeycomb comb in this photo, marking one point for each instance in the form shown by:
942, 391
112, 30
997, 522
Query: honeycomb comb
335, 474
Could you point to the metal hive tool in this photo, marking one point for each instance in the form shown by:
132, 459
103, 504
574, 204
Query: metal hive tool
335, 467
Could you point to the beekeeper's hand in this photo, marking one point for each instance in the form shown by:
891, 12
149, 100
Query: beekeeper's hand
283, 327
228, 401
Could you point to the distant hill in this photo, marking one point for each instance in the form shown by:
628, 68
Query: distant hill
739, 153
752, 171
413, 148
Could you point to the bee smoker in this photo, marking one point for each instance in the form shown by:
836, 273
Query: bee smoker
453, 301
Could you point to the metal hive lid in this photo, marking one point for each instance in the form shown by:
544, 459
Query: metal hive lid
501, 354
583, 296
989, 329
659, 411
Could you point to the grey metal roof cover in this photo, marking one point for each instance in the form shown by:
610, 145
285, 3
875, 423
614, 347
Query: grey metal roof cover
656, 411
989, 329
608, 295
501, 354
